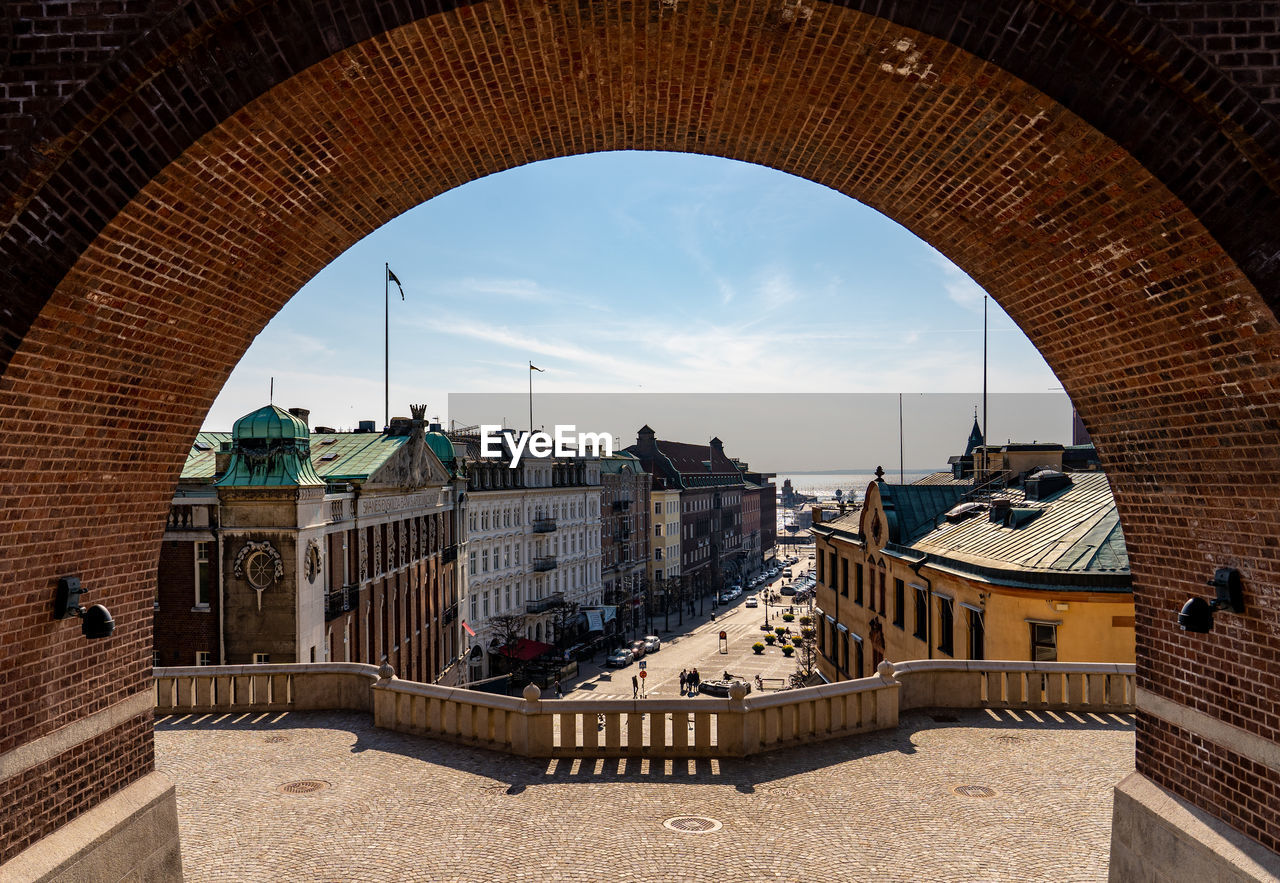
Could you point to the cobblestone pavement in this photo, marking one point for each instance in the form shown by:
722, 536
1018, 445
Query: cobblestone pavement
877, 807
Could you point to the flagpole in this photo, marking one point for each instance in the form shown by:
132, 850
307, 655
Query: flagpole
985, 455
531, 398
386, 362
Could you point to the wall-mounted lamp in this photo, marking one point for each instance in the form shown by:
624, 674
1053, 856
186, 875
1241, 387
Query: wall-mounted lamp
1197, 613
96, 622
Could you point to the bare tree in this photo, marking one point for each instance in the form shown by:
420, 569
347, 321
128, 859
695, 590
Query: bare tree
563, 613
508, 629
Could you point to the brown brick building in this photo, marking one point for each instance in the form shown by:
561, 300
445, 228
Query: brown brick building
172, 173
286, 545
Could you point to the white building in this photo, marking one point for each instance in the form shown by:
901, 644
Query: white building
533, 541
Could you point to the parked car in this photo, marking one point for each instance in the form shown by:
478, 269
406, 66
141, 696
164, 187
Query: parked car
752, 601
652, 643
638, 649
620, 658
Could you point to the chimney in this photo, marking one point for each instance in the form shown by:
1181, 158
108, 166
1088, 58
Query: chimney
999, 511
302, 414
817, 515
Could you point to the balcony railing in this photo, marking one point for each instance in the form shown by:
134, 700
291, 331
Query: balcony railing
544, 563
541, 605
340, 601
739, 726
544, 525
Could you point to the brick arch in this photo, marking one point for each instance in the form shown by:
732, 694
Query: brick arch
182, 196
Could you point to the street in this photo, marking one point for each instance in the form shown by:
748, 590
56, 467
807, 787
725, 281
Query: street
698, 646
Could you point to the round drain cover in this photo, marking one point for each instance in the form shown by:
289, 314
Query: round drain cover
692, 824
974, 791
306, 786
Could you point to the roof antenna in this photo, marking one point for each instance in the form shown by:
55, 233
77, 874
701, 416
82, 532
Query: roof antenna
271, 397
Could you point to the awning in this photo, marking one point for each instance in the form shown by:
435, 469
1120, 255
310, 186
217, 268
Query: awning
526, 650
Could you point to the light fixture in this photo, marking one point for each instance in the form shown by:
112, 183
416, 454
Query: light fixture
1197, 613
96, 622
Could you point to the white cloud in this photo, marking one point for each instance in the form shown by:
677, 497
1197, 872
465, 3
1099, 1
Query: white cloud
959, 287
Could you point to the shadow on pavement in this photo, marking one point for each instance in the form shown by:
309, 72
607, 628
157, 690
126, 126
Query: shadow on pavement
742, 774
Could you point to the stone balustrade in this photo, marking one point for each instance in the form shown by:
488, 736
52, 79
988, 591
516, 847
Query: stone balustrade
739, 726
321, 686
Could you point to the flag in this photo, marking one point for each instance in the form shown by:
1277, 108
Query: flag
469, 630
391, 277
533, 367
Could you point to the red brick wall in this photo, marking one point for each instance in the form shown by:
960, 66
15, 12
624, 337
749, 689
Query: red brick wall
1116, 192
36, 802
179, 629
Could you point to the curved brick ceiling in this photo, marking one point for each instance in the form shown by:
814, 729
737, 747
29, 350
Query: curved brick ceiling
144, 287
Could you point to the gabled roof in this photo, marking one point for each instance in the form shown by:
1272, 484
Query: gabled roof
688, 466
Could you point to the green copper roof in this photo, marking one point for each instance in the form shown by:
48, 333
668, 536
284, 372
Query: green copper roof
270, 448
445, 452
353, 456
202, 458
270, 421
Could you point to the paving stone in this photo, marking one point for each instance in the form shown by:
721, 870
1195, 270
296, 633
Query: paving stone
878, 807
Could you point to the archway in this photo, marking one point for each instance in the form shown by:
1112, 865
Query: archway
213, 166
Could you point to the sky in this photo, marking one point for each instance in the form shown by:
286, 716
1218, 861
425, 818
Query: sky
633, 272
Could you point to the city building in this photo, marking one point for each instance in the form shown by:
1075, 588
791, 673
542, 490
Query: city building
759, 518
711, 490
287, 545
624, 537
664, 560
533, 553
1031, 565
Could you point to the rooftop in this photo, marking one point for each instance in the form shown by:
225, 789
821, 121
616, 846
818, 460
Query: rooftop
1075, 530
879, 806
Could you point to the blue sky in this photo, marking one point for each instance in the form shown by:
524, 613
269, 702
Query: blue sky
631, 272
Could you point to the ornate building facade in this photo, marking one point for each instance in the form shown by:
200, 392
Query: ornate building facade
287, 545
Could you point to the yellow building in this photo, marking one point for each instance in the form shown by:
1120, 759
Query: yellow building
1034, 568
664, 559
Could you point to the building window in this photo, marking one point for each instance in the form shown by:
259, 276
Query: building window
899, 602
485, 605
1044, 642
155, 660
977, 635
883, 608
202, 575
857, 584
204, 657
261, 658
946, 626
922, 615
474, 602
657, 530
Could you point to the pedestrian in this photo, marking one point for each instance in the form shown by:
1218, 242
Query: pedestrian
559, 692
694, 680
684, 680
635, 686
